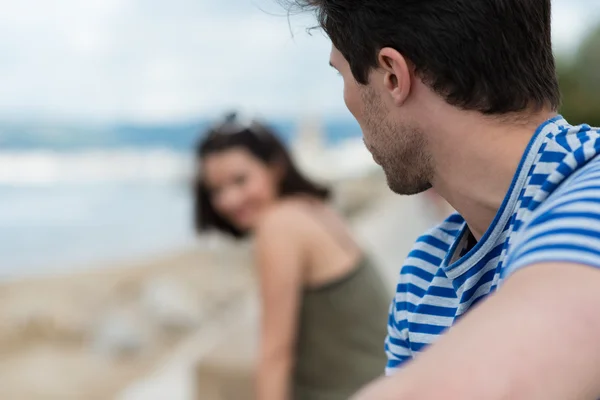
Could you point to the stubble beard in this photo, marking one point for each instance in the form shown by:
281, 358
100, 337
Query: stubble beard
400, 149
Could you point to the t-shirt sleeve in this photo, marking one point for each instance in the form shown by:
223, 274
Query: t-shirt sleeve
565, 228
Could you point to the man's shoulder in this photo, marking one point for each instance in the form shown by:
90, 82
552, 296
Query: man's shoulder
571, 139
564, 153
565, 227
577, 171
577, 192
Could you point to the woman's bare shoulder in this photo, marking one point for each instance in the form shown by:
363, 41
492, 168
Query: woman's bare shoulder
290, 217
281, 235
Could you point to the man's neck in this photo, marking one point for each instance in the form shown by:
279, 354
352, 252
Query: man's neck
476, 158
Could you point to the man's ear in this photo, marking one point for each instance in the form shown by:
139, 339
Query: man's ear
396, 74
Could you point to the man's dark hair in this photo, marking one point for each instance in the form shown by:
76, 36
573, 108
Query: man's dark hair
493, 56
261, 142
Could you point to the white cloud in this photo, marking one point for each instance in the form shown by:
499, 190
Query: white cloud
155, 59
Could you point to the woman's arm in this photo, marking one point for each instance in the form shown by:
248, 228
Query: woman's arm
279, 256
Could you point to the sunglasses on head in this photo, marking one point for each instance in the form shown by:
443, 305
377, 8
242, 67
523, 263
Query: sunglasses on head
234, 123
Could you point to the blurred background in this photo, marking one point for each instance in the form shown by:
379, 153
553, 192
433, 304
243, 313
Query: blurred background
105, 290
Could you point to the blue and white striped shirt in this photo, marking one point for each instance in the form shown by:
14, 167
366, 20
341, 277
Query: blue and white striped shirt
550, 213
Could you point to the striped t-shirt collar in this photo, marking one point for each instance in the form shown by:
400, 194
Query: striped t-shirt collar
490, 239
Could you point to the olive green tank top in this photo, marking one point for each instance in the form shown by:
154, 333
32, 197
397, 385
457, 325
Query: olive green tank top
342, 328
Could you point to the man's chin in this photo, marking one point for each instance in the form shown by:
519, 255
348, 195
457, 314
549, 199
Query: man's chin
406, 187
375, 158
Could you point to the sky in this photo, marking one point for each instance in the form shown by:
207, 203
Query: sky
158, 61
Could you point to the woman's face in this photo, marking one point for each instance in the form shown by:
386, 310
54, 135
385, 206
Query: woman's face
241, 186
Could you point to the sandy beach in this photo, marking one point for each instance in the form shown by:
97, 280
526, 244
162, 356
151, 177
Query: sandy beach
92, 334
87, 335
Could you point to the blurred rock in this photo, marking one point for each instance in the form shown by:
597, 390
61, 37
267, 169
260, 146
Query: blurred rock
119, 334
352, 196
33, 319
170, 305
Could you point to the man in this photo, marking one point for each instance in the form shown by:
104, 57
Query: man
438, 207
462, 96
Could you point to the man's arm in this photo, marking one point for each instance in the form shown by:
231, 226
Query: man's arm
537, 338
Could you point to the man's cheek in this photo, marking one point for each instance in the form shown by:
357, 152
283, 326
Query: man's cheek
352, 100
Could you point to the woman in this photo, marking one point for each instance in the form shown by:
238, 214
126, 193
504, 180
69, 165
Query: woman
324, 307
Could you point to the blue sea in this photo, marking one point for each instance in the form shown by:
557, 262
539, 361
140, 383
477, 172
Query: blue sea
77, 196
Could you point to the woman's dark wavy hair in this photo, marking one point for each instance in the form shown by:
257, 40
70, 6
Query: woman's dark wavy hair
261, 142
